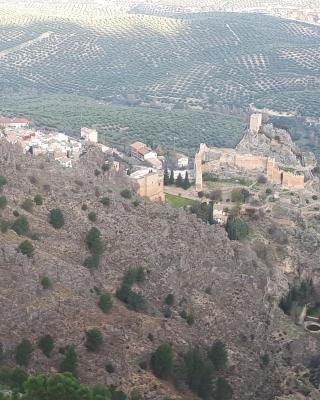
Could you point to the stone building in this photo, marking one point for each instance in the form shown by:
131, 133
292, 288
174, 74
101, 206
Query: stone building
216, 159
255, 122
14, 122
150, 184
142, 152
89, 135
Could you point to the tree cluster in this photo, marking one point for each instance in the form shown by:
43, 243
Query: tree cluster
133, 300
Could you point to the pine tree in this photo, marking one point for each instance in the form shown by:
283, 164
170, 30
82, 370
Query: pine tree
179, 181
166, 178
186, 182
171, 179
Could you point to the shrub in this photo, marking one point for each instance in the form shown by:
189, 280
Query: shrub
262, 179
169, 300
215, 195
93, 241
190, 319
236, 228
268, 191
200, 194
27, 205
105, 201
162, 361
46, 344
56, 218
109, 368
26, 248
84, 207
136, 301
97, 172
314, 197
70, 361
94, 340
222, 389
150, 337
218, 355
38, 200
4, 226
3, 181
92, 262
3, 202
12, 378
92, 216
23, 353
136, 203
126, 193
105, 302
21, 225
15, 213
237, 196
46, 282
105, 167
135, 395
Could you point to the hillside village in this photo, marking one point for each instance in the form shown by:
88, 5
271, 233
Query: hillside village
265, 159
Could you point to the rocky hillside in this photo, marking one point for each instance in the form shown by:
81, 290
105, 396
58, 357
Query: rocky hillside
227, 289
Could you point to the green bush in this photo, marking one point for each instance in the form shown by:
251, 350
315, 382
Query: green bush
56, 218
92, 262
12, 378
23, 353
70, 361
105, 302
46, 282
134, 301
3, 181
222, 389
105, 201
26, 248
110, 368
46, 344
27, 205
94, 340
4, 226
21, 225
237, 196
38, 200
126, 193
93, 241
92, 216
218, 355
3, 202
162, 361
236, 228
169, 300
84, 207
190, 319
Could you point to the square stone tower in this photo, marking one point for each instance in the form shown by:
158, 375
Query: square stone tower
255, 122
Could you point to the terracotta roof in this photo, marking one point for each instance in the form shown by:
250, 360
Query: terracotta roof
137, 145
7, 121
144, 150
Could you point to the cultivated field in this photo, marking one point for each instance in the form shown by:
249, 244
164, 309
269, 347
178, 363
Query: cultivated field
212, 61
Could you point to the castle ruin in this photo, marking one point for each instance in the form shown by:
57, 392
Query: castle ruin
224, 160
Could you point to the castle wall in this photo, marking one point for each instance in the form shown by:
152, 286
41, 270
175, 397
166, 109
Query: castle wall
290, 180
250, 162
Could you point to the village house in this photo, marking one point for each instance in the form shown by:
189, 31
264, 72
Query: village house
150, 184
182, 161
89, 135
14, 122
142, 152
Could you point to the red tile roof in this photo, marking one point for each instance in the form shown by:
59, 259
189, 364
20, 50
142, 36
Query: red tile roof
8, 121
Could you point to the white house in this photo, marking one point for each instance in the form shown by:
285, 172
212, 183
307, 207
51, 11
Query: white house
15, 122
182, 161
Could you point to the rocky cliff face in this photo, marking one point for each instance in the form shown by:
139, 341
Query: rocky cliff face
275, 143
230, 290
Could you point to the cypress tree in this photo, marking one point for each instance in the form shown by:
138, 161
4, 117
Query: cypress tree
171, 179
166, 178
186, 182
179, 181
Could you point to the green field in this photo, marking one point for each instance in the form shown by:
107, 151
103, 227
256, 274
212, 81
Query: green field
177, 201
87, 56
122, 125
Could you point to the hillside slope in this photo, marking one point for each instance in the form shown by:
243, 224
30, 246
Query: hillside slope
180, 255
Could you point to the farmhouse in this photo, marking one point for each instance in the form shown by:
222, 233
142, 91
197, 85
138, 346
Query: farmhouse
150, 184
14, 122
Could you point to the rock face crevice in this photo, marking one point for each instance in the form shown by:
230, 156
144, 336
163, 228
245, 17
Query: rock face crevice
230, 291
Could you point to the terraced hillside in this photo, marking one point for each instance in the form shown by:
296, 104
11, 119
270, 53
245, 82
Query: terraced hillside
216, 62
